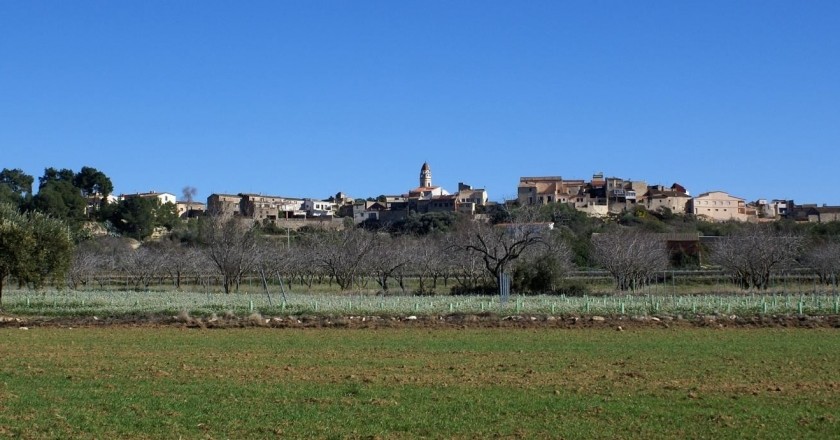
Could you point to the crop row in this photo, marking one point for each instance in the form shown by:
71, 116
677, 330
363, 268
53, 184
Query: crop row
113, 303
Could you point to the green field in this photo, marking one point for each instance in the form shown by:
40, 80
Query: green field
146, 382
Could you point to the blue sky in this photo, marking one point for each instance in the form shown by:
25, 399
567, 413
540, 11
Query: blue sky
308, 98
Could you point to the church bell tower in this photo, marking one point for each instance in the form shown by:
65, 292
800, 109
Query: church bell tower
425, 176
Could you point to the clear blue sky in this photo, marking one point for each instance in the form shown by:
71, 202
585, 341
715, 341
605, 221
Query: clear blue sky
308, 98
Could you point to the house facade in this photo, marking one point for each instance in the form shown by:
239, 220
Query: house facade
468, 199
226, 205
674, 199
162, 198
271, 208
318, 208
549, 189
190, 209
719, 206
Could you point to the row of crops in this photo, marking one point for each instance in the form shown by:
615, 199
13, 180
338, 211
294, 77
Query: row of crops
112, 303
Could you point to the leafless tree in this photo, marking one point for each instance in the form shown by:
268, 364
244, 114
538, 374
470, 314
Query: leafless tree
753, 254
631, 257
300, 264
428, 260
389, 258
273, 260
343, 254
466, 268
824, 259
499, 245
231, 245
140, 266
84, 266
96, 260
180, 261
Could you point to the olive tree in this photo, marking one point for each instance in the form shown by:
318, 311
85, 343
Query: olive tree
753, 254
631, 257
541, 269
34, 248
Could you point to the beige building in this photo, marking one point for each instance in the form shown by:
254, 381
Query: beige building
190, 209
719, 206
163, 198
550, 189
271, 208
226, 205
468, 199
624, 194
658, 197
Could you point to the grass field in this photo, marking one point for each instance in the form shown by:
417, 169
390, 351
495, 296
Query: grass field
123, 382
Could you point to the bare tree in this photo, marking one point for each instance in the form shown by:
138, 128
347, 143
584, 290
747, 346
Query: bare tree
631, 257
141, 266
389, 259
343, 254
428, 261
97, 259
467, 268
231, 244
300, 264
824, 259
83, 267
753, 254
499, 245
180, 261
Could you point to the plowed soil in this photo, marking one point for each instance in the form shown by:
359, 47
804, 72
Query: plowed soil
488, 320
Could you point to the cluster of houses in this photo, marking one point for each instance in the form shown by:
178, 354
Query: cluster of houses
602, 196
599, 197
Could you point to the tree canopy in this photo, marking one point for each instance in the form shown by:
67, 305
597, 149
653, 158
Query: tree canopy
34, 248
93, 182
15, 186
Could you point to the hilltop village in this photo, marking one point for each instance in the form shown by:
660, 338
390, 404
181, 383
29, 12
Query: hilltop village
598, 197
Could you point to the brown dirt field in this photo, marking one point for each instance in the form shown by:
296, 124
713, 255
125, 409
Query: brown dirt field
618, 323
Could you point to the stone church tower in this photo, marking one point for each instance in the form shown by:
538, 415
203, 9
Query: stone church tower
425, 176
